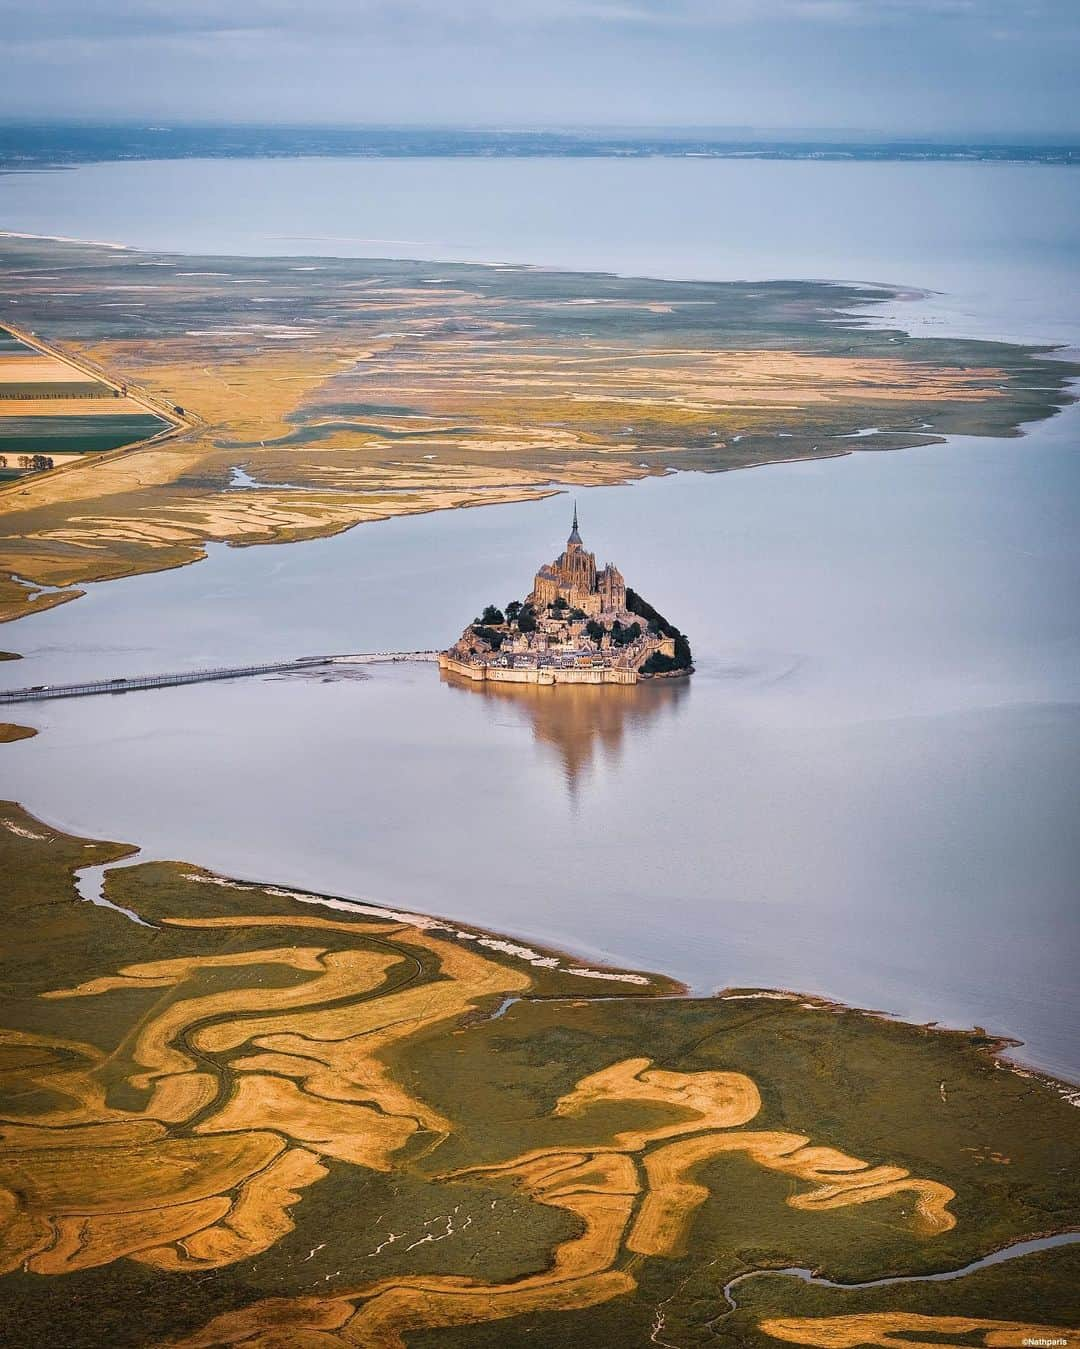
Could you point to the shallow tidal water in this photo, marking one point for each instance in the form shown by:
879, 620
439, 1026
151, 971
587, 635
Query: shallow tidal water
868, 789
1001, 240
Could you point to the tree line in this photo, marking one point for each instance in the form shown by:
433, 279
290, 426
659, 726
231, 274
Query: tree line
35, 462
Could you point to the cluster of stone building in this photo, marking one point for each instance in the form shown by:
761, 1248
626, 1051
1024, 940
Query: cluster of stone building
574, 628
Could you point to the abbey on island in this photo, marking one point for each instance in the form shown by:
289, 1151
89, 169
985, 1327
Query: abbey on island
578, 625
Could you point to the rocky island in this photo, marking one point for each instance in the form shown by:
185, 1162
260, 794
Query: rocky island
578, 625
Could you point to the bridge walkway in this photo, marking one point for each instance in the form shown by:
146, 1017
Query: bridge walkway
133, 683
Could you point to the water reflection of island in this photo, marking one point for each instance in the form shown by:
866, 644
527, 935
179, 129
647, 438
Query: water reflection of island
575, 720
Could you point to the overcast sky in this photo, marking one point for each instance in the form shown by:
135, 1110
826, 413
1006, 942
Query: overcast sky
901, 66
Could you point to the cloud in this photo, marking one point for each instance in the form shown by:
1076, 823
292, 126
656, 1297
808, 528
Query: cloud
911, 64
26, 20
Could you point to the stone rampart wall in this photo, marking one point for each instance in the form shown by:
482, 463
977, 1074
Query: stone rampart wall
503, 674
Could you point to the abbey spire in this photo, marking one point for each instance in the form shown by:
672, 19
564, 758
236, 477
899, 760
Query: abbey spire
575, 537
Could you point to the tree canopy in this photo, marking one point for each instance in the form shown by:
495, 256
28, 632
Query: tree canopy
494, 639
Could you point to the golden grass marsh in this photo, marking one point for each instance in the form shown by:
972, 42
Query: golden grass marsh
375, 389
258, 1116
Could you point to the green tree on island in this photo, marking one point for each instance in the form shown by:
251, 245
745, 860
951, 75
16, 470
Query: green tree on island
494, 639
624, 636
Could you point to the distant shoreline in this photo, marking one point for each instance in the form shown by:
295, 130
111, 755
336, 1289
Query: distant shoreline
34, 146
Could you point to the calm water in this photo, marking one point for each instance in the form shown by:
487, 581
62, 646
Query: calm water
1002, 240
868, 790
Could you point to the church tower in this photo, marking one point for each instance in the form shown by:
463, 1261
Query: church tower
572, 576
577, 566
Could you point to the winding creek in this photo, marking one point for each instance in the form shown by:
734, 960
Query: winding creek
1014, 1252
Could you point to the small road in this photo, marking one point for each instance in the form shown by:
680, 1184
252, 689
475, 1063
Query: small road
176, 423
135, 393
133, 683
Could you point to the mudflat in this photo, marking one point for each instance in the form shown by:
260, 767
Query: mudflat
351, 390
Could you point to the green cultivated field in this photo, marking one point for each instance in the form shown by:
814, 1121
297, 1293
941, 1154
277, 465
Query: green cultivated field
74, 435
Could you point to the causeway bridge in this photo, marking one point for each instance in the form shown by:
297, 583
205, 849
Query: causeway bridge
133, 683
